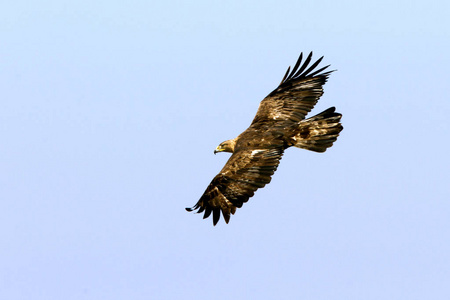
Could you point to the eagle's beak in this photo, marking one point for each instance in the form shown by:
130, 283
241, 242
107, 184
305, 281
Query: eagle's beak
218, 149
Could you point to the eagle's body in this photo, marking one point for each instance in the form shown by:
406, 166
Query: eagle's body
279, 124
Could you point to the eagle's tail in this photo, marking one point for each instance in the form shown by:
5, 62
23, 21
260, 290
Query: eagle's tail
319, 132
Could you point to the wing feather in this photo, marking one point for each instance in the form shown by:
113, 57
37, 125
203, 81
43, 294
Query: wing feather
297, 64
305, 64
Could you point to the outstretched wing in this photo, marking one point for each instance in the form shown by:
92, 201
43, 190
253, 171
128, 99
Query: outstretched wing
245, 172
296, 95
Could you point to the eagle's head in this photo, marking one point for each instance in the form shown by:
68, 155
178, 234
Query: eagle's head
227, 146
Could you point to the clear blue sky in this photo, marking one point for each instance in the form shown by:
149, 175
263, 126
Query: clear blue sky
109, 115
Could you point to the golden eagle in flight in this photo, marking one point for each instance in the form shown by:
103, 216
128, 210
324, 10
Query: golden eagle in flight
279, 124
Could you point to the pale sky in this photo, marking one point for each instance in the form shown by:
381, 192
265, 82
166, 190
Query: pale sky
110, 112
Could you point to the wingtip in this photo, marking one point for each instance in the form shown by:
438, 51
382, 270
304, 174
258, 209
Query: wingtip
191, 209
226, 216
216, 215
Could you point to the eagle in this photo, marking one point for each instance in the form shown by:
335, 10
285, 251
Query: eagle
279, 124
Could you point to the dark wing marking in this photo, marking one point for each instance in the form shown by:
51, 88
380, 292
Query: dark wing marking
296, 95
245, 172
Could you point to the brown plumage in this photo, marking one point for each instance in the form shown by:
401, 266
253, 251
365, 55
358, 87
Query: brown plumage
279, 124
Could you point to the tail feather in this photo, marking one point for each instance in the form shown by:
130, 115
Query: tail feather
318, 132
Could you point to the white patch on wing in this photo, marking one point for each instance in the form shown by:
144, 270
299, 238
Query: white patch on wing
254, 152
